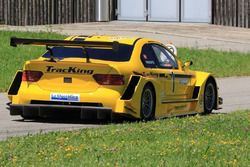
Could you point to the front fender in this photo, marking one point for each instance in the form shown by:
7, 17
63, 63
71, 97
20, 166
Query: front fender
201, 80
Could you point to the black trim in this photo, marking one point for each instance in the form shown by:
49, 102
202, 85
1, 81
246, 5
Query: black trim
162, 75
136, 41
79, 39
137, 73
180, 101
129, 92
129, 109
67, 80
36, 102
84, 36
183, 76
196, 92
46, 110
173, 81
45, 42
16, 84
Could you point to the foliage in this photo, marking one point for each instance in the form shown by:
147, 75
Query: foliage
214, 140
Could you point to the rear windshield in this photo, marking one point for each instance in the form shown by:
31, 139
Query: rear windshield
123, 54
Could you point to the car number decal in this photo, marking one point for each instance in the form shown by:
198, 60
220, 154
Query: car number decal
65, 97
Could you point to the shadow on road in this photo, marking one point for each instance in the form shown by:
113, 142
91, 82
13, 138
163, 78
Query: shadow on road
69, 119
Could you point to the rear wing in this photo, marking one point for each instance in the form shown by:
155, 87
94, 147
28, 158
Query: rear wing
46, 42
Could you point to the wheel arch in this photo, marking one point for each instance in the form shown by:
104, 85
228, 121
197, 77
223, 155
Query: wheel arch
157, 87
135, 101
201, 80
212, 79
151, 85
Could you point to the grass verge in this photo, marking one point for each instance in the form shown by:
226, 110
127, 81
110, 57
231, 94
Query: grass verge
222, 64
13, 59
215, 140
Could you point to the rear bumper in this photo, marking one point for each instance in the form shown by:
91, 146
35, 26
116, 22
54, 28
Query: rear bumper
44, 110
105, 96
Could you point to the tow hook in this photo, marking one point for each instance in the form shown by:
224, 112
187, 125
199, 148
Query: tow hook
220, 100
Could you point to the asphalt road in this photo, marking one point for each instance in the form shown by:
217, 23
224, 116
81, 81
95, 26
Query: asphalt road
235, 91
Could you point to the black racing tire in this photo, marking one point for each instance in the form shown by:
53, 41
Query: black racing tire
148, 103
209, 96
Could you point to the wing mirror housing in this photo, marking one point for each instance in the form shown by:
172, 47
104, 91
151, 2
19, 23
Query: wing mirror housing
188, 64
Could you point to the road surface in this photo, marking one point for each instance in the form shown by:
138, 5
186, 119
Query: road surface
235, 92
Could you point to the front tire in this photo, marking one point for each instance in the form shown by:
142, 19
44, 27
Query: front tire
148, 103
209, 97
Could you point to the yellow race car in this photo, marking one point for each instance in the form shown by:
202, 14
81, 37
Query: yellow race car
103, 76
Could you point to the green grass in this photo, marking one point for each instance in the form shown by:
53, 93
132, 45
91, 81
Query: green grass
13, 59
222, 64
215, 140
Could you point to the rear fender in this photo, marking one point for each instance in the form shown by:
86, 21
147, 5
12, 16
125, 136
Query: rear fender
15, 85
133, 105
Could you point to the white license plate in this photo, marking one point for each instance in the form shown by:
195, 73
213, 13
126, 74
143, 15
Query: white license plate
64, 97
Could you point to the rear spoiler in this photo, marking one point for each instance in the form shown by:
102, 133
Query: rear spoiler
46, 42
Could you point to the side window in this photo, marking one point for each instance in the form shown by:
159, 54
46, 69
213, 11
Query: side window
148, 57
164, 57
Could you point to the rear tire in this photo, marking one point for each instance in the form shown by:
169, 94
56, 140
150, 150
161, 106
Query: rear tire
209, 97
148, 103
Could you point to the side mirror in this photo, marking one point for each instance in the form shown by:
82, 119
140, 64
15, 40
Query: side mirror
188, 64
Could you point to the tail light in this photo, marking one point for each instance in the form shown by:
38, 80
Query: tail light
31, 76
109, 79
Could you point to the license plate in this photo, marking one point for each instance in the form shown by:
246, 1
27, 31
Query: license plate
64, 97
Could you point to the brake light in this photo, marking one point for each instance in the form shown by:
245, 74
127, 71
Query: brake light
109, 79
31, 76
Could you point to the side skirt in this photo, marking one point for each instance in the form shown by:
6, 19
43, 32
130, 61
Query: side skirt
179, 101
179, 115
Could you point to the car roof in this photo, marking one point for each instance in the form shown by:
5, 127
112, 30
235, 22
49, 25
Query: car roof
105, 38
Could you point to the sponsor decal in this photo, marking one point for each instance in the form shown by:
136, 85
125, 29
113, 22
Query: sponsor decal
64, 97
73, 70
184, 81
